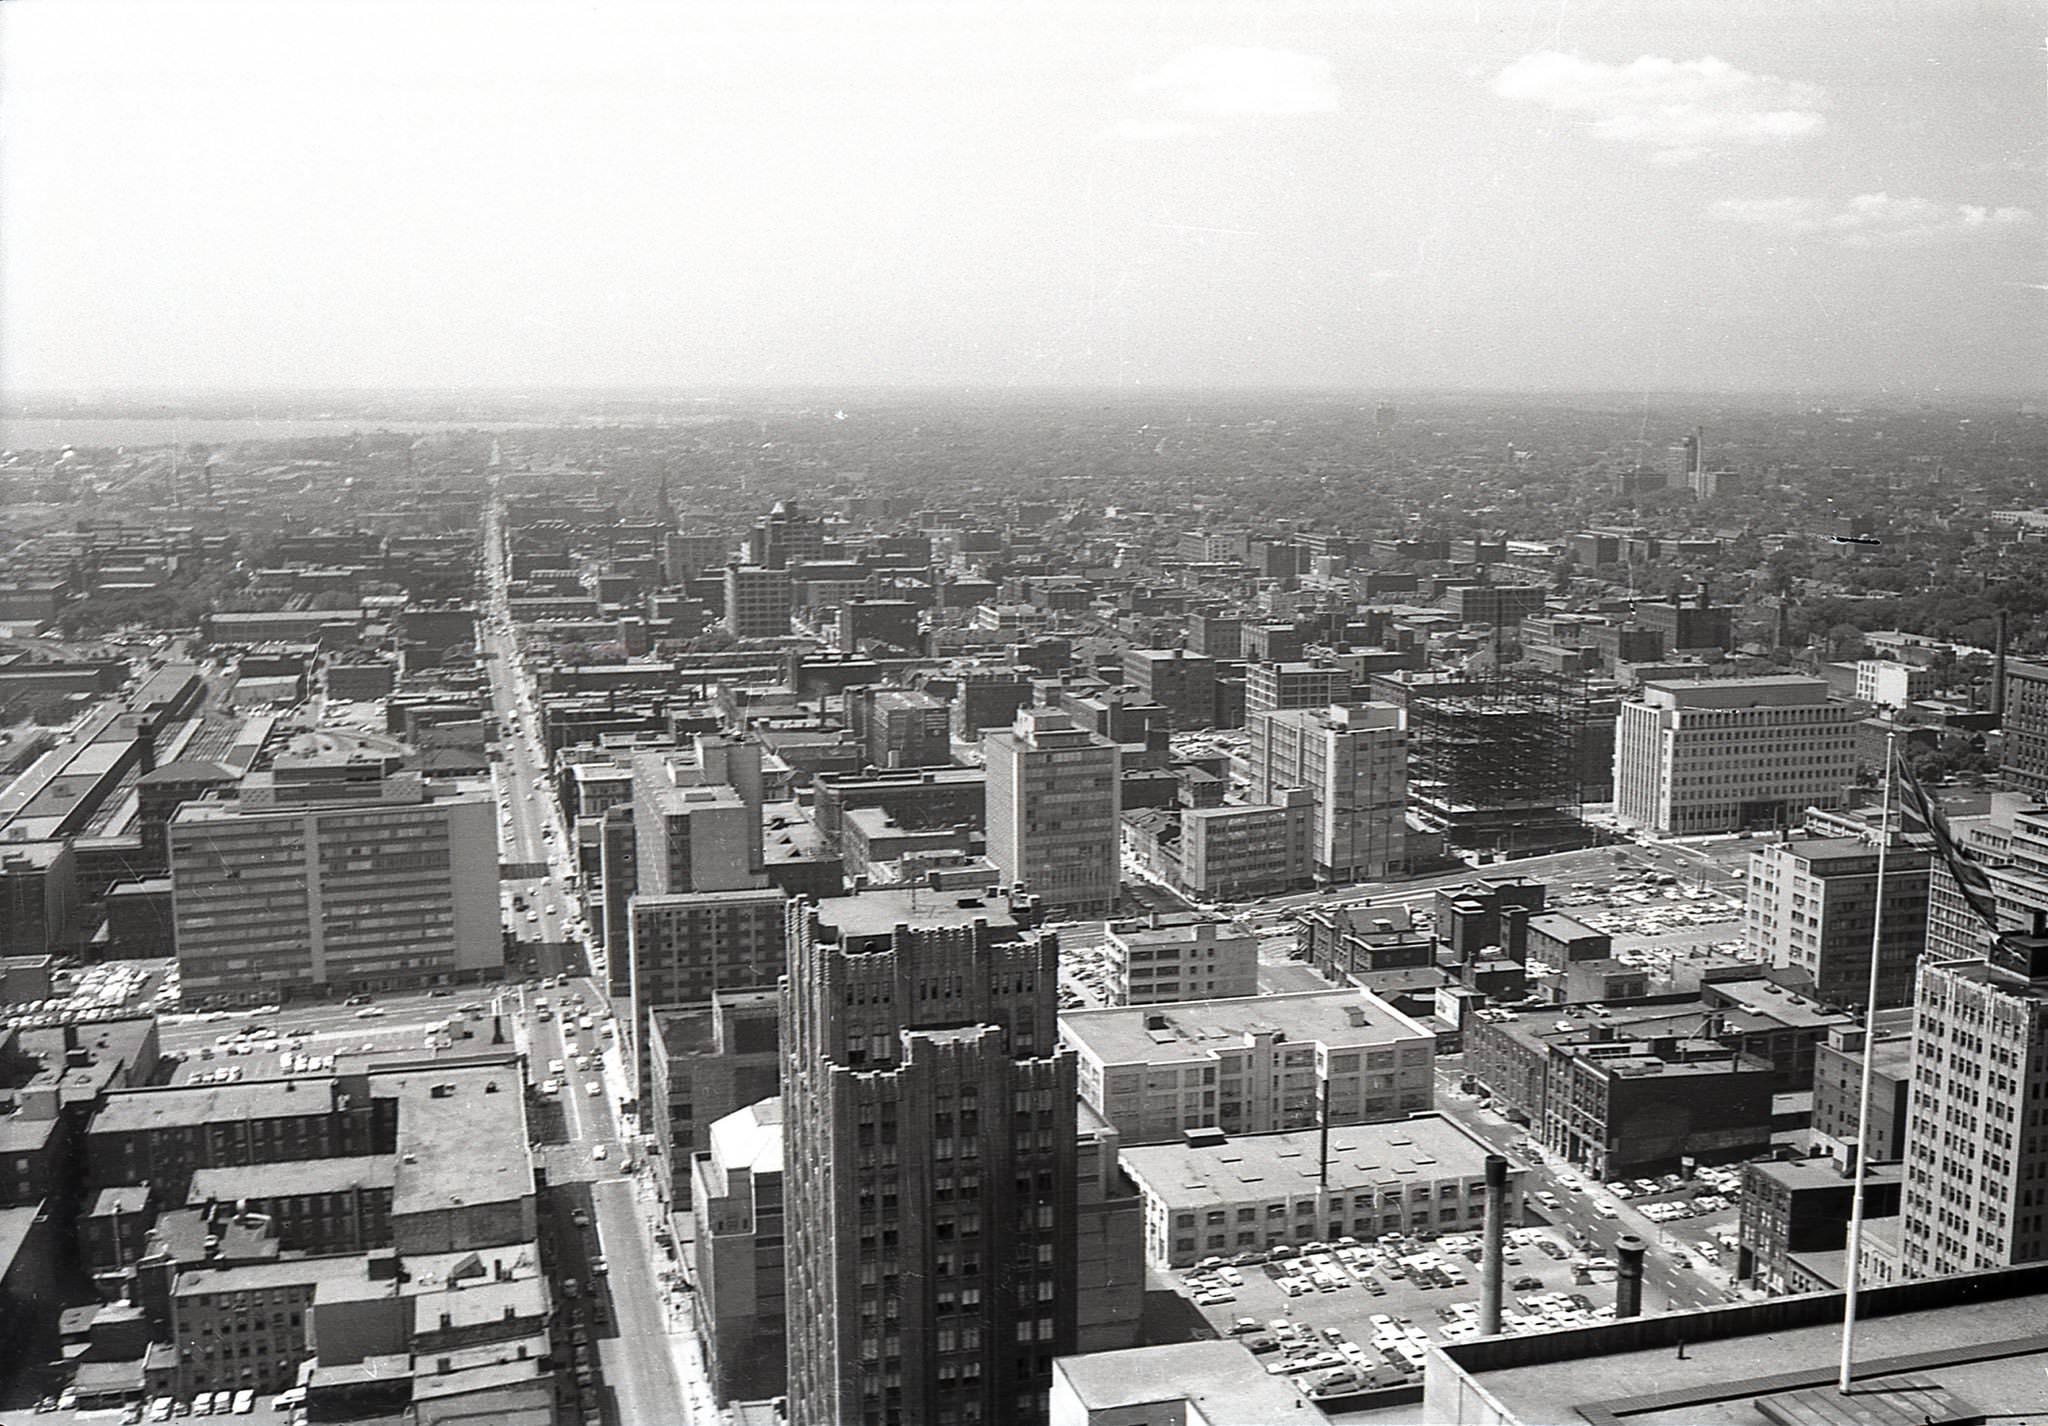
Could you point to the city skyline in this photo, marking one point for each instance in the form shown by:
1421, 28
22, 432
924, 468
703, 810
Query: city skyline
1678, 198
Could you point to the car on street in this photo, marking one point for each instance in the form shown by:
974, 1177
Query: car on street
370, 1012
593, 1089
599, 1152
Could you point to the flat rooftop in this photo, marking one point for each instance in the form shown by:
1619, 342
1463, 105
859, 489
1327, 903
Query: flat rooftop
1560, 927
303, 1176
462, 1147
1424, 1149
1808, 1174
1220, 1379
1181, 929
188, 1106
1200, 1029
1982, 1338
878, 912
280, 1272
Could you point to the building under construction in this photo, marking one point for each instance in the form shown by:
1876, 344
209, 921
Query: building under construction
1494, 758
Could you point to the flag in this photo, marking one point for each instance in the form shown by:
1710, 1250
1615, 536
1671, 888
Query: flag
1920, 813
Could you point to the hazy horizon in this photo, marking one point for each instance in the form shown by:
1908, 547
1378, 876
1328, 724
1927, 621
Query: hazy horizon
1711, 198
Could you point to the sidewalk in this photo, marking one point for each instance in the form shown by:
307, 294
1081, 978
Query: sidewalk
685, 1349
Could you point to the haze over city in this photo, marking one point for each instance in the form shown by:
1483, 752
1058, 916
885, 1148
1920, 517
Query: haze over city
1680, 196
1028, 714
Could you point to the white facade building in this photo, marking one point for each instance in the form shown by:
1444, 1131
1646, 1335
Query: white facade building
1251, 1066
1054, 810
1730, 754
1892, 685
1353, 761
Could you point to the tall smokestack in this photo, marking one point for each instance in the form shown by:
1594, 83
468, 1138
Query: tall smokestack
1492, 1253
1998, 671
1628, 1276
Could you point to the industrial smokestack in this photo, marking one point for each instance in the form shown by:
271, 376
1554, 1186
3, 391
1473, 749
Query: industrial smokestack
1628, 1276
1493, 1254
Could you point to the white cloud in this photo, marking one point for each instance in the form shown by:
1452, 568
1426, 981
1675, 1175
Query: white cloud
1869, 219
1231, 83
1678, 109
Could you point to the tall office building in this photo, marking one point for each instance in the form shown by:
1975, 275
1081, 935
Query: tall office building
1183, 683
786, 536
2025, 725
694, 826
1730, 754
757, 602
333, 875
1354, 763
928, 1166
1053, 811
1810, 908
686, 949
1976, 1159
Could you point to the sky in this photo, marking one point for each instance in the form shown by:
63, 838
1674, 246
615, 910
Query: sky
1373, 195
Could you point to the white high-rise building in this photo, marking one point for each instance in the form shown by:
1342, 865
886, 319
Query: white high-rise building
1809, 908
1354, 763
1730, 754
1054, 810
330, 876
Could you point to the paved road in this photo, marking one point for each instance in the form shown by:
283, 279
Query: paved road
641, 1351
1666, 1287
530, 828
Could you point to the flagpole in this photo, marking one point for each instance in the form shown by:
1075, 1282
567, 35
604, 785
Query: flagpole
1855, 1264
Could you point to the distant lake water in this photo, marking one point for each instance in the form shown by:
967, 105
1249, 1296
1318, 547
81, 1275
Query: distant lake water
40, 433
